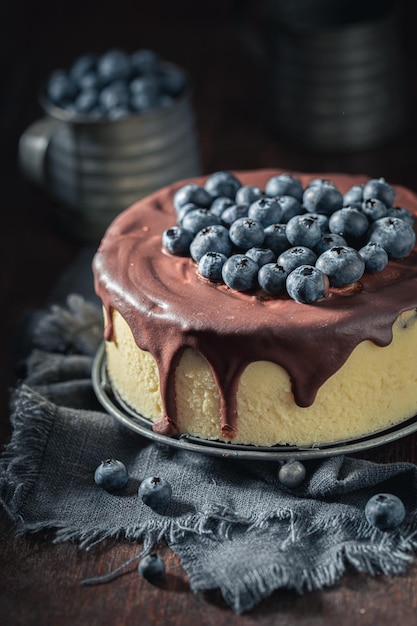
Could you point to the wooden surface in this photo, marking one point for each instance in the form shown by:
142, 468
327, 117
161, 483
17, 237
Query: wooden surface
219, 43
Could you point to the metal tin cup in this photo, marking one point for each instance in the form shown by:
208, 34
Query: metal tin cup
336, 87
97, 168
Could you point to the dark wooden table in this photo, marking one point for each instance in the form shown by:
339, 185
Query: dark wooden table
219, 44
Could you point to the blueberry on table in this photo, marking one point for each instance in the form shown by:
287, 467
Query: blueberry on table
177, 240
385, 511
240, 273
375, 257
272, 278
222, 184
151, 567
111, 474
284, 185
247, 233
267, 211
296, 256
213, 238
210, 266
393, 234
342, 264
307, 284
155, 492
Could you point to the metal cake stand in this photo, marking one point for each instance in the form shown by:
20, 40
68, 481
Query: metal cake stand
124, 414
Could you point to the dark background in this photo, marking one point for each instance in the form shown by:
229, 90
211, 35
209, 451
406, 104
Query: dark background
222, 45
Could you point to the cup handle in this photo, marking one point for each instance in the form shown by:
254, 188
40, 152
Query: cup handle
32, 148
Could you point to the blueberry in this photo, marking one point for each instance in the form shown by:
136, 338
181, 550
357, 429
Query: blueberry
385, 511
111, 475
303, 230
306, 284
353, 196
393, 234
141, 102
292, 474
221, 204
290, 206
182, 211
145, 85
349, 222
247, 194
197, 219
151, 567
374, 209
342, 264
173, 82
272, 278
177, 240
60, 88
89, 81
322, 198
267, 211
86, 100
118, 112
214, 238
323, 221
381, 190
113, 65
296, 256
191, 193
276, 238
284, 185
222, 184
240, 273
144, 61
327, 241
233, 213
375, 257
155, 492
246, 233
83, 65
261, 256
113, 96
210, 266
401, 213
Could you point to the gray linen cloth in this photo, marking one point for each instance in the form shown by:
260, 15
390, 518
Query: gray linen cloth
231, 523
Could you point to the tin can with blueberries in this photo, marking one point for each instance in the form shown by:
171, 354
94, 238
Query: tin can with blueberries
116, 127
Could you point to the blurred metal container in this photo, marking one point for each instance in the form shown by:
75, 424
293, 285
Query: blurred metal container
335, 87
97, 168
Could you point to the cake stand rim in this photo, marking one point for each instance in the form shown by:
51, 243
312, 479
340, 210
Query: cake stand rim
130, 418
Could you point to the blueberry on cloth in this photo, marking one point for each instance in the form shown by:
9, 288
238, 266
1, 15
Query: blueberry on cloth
284, 185
151, 567
375, 257
306, 284
177, 240
342, 264
240, 273
210, 266
393, 234
267, 211
222, 184
303, 230
214, 238
247, 233
292, 474
155, 492
111, 475
296, 256
385, 511
380, 189
272, 278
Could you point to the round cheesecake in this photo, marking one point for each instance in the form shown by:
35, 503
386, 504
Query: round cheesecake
201, 358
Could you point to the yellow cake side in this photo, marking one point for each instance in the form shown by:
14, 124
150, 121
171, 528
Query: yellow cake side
375, 388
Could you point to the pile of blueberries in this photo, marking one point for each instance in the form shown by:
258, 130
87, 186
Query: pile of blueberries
286, 239
115, 84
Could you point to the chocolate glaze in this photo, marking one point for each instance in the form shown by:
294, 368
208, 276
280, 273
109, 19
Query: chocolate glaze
169, 307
